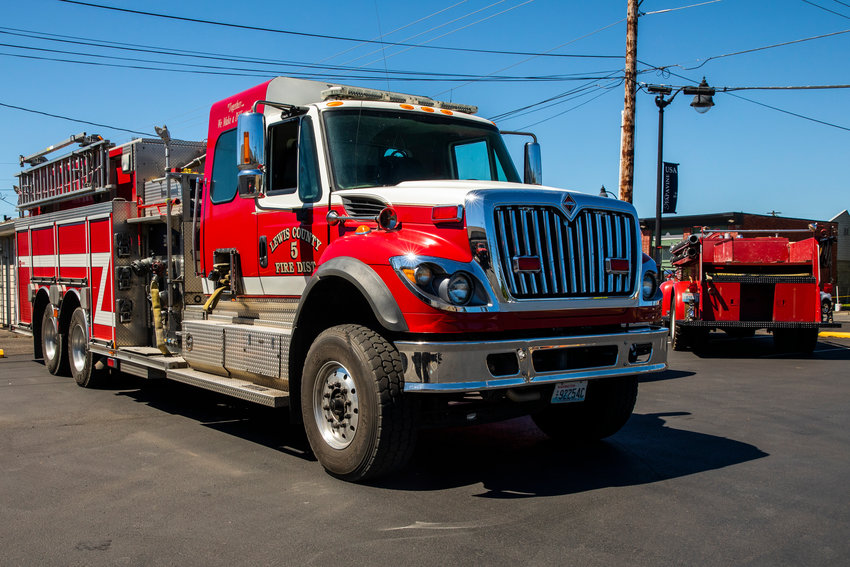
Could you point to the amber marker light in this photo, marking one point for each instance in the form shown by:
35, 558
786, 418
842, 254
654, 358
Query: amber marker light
407, 106
246, 149
447, 213
446, 111
427, 109
362, 229
335, 103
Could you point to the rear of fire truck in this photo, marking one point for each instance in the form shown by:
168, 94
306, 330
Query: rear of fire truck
373, 261
742, 281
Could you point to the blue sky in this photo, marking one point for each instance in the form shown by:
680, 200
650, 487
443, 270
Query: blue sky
740, 156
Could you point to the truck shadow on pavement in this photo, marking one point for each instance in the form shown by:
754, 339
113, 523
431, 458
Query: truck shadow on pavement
514, 460
721, 345
264, 426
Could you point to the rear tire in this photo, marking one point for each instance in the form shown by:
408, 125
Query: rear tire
80, 359
678, 335
795, 340
53, 344
606, 409
358, 421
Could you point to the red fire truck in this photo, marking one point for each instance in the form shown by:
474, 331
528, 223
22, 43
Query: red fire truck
741, 281
369, 258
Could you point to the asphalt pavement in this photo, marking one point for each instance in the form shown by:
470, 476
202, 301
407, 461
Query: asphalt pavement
735, 455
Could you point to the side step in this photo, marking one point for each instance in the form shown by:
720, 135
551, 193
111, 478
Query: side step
234, 387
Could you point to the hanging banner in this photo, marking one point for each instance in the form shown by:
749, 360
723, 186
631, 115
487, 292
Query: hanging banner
671, 187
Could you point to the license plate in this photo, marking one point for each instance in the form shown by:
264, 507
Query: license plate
566, 392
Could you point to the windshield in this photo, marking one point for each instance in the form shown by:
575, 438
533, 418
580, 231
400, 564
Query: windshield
370, 147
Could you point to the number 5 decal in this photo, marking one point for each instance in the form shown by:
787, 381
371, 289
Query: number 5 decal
293, 249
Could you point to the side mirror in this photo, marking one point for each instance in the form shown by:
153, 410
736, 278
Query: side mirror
250, 140
533, 174
251, 154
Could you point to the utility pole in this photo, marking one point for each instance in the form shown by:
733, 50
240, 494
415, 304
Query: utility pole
627, 138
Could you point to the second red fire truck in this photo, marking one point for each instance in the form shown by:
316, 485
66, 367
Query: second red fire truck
368, 258
741, 281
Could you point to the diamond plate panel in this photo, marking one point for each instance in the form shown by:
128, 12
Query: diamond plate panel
203, 345
255, 351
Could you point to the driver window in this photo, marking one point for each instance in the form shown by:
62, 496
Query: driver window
283, 158
293, 162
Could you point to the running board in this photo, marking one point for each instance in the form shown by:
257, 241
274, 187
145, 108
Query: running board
234, 387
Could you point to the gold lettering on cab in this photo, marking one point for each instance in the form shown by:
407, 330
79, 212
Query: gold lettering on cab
286, 268
295, 233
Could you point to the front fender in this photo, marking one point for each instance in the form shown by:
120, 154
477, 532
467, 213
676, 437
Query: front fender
368, 282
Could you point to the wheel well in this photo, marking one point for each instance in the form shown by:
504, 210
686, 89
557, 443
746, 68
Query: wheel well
69, 304
332, 301
41, 301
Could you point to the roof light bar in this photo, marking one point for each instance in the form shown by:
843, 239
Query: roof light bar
360, 93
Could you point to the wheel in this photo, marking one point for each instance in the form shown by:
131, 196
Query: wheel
79, 356
678, 335
607, 406
795, 340
783, 340
53, 344
807, 340
357, 419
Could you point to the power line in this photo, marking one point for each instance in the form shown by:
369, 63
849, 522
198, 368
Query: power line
334, 37
679, 8
762, 48
422, 19
461, 28
409, 75
76, 120
197, 55
547, 51
827, 9
242, 72
777, 109
408, 38
606, 91
791, 113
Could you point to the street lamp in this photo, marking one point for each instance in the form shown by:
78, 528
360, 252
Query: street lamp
702, 103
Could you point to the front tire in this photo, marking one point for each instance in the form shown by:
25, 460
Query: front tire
80, 357
606, 409
678, 335
357, 419
53, 344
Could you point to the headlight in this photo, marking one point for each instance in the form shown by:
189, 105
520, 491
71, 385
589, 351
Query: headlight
423, 275
650, 285
445, 284
456, 289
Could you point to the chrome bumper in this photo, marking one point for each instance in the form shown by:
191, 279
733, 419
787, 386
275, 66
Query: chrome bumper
473, 366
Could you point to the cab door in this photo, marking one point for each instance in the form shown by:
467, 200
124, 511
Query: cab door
291, 224
229, 222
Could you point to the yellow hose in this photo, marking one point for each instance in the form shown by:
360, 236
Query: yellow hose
213, 300
157, 318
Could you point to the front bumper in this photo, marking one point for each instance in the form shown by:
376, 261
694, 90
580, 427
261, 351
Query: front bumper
475, 366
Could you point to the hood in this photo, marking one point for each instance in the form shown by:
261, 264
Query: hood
439, 192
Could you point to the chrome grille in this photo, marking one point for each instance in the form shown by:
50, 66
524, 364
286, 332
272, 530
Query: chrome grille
572, 254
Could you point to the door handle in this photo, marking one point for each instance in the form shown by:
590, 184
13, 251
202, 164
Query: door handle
264, 252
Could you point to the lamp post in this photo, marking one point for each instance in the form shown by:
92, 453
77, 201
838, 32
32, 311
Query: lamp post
702, 103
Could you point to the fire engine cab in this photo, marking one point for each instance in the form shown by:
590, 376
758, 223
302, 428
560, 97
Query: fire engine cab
370, 259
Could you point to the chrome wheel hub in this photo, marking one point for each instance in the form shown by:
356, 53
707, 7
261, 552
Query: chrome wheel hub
335, 405
77, 341
50, 336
